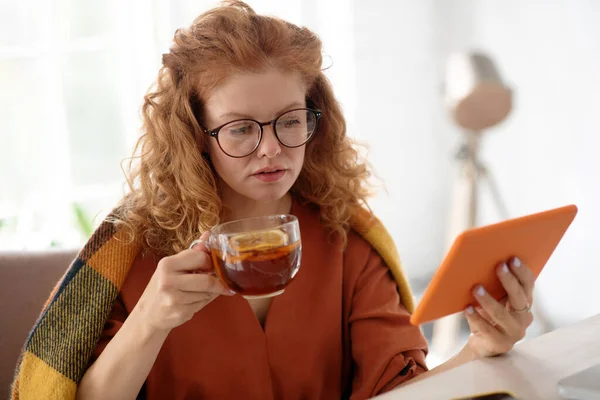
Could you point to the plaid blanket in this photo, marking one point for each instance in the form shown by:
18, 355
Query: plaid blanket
58, 349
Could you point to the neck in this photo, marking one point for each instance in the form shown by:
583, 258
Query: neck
239, 207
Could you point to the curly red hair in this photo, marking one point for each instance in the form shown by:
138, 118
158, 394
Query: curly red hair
173, 191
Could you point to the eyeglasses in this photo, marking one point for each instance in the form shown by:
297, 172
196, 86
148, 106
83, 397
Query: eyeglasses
241, 137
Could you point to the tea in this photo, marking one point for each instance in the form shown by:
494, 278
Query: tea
256, 268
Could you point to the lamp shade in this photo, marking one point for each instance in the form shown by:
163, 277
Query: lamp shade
474, 91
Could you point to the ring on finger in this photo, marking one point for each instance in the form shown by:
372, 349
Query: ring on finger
525, 309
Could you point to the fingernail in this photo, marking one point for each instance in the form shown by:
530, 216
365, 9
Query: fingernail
480, 291
516, 262
505, 268
470, 310
231, 292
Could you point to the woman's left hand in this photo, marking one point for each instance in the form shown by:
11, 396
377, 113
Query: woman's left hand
497, 326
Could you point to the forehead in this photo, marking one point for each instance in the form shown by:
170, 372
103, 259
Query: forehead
258, 95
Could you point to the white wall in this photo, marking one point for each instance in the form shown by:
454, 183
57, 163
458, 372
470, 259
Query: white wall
399, 116
544, 155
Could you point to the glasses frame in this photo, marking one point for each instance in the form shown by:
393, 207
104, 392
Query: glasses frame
215, 132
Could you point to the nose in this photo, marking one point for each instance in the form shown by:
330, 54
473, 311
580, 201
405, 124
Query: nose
269, 146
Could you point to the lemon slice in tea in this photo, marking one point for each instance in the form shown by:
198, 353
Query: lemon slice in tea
260, 240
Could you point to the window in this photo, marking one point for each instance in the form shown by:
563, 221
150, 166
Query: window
66, 118
72, 79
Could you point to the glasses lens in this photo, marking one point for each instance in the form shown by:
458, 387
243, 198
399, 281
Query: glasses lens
239, 138
295, 127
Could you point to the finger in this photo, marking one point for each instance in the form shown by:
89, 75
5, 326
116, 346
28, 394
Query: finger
480, 325
481, 311
484, 314
486, 339
516, 292
525, 275
186, 311
185, 298
188, 261
201, 283
498, 313
196, 306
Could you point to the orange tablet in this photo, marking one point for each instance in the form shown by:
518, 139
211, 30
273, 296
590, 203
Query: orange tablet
477, 252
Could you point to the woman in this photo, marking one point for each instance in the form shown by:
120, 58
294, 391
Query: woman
221, 143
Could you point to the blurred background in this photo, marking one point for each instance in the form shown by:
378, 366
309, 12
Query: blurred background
73, 74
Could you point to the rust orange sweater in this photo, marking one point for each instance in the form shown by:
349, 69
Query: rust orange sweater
338, 331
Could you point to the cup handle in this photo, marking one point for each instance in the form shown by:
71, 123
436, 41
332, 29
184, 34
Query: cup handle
205, 244
199, 241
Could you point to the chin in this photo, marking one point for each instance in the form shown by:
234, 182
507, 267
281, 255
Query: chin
268, 194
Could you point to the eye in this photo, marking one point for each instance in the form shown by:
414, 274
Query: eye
288, 123
240, 129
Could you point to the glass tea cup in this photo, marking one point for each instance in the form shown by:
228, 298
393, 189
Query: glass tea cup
256, 257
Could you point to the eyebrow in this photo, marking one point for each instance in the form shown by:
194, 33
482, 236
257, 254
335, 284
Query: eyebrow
241, 115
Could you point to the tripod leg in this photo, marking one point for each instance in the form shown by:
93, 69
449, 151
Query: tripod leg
446, 338
485, 175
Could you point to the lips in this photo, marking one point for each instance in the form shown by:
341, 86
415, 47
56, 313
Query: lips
270, 174
269, 170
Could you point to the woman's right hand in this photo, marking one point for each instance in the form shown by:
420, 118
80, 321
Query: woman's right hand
179, 288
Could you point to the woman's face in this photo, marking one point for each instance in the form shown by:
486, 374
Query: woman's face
262, 97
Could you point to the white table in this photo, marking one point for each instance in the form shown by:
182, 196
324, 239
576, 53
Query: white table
530, 371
